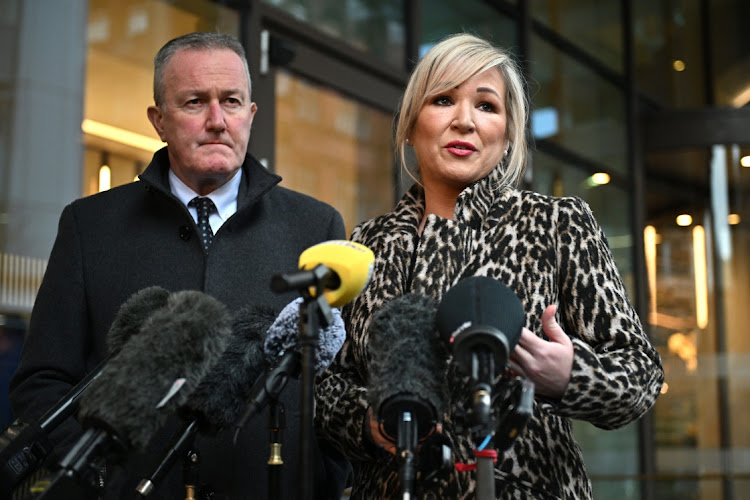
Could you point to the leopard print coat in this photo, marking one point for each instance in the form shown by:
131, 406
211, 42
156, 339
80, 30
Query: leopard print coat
548, 251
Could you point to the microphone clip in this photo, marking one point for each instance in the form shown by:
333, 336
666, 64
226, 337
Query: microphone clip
311, 284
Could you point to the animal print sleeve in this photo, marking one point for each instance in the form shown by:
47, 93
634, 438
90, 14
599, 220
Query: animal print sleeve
341, 408
341, 393
617, 373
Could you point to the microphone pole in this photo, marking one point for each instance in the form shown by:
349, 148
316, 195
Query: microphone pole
311, 310
276, 422
190, 473
406, 446
486, 459
314, 313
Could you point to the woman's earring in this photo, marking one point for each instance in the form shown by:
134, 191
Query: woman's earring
505, 153
408, 141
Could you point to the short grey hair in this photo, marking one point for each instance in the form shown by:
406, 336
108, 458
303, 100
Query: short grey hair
194, 41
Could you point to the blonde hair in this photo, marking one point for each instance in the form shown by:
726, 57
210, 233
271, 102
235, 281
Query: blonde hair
448, 64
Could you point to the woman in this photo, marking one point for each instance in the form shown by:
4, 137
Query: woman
464, 114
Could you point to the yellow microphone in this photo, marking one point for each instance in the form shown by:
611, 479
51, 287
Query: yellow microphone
342, 267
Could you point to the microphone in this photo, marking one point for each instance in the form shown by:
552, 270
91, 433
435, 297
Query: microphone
23, 447
481, 320
406, 375
219, 398
280, 348
154, 373
341, 267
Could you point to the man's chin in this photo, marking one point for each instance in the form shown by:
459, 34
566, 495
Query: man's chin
219, 163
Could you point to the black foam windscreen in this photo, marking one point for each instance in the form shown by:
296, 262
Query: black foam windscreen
407, 363
132, 313
156, 370
480, 312
221, 395
23, 447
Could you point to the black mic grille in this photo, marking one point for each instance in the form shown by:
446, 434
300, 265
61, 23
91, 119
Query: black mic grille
480, 311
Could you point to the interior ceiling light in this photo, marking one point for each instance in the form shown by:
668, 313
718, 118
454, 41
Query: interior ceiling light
121, 135
684, 220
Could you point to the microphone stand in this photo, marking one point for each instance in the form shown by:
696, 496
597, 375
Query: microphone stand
483, 369
181, 446
509, 428
276, 422
190, 474
407, 444
311, 309
486, 459
314, 307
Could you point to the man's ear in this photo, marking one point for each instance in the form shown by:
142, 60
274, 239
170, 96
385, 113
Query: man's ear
154, 116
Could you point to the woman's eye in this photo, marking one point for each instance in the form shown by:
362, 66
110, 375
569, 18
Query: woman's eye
486, 106
442, 101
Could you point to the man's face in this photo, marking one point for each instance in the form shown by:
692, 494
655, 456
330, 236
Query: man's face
206, 116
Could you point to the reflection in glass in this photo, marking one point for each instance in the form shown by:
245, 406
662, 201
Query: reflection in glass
577, 108
699, 275
374, 26
334, 149
669, 63
594, 26
444, 17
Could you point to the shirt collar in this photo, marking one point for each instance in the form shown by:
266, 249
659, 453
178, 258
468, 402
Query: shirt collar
225, 197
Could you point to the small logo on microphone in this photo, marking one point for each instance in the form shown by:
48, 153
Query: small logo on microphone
463, 326
176, 386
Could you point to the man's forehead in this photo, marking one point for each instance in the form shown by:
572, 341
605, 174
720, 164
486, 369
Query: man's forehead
207, 68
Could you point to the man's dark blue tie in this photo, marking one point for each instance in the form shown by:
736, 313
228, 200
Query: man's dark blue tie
204, 206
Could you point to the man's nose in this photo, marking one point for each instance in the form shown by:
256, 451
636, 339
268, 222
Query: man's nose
215, 118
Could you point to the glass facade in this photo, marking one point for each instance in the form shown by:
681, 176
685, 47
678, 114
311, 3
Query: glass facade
372, 26
591, 25
576, 108
444, 17
75, 81
333, 148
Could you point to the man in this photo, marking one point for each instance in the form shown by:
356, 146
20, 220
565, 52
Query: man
112, 244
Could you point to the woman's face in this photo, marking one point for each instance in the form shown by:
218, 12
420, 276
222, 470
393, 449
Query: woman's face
461, 134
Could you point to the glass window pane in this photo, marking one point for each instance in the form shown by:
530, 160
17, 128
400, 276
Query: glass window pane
730, 51
575, 108
441, 18
592, 25
333, 148
376, 27
697, 254
668, 49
